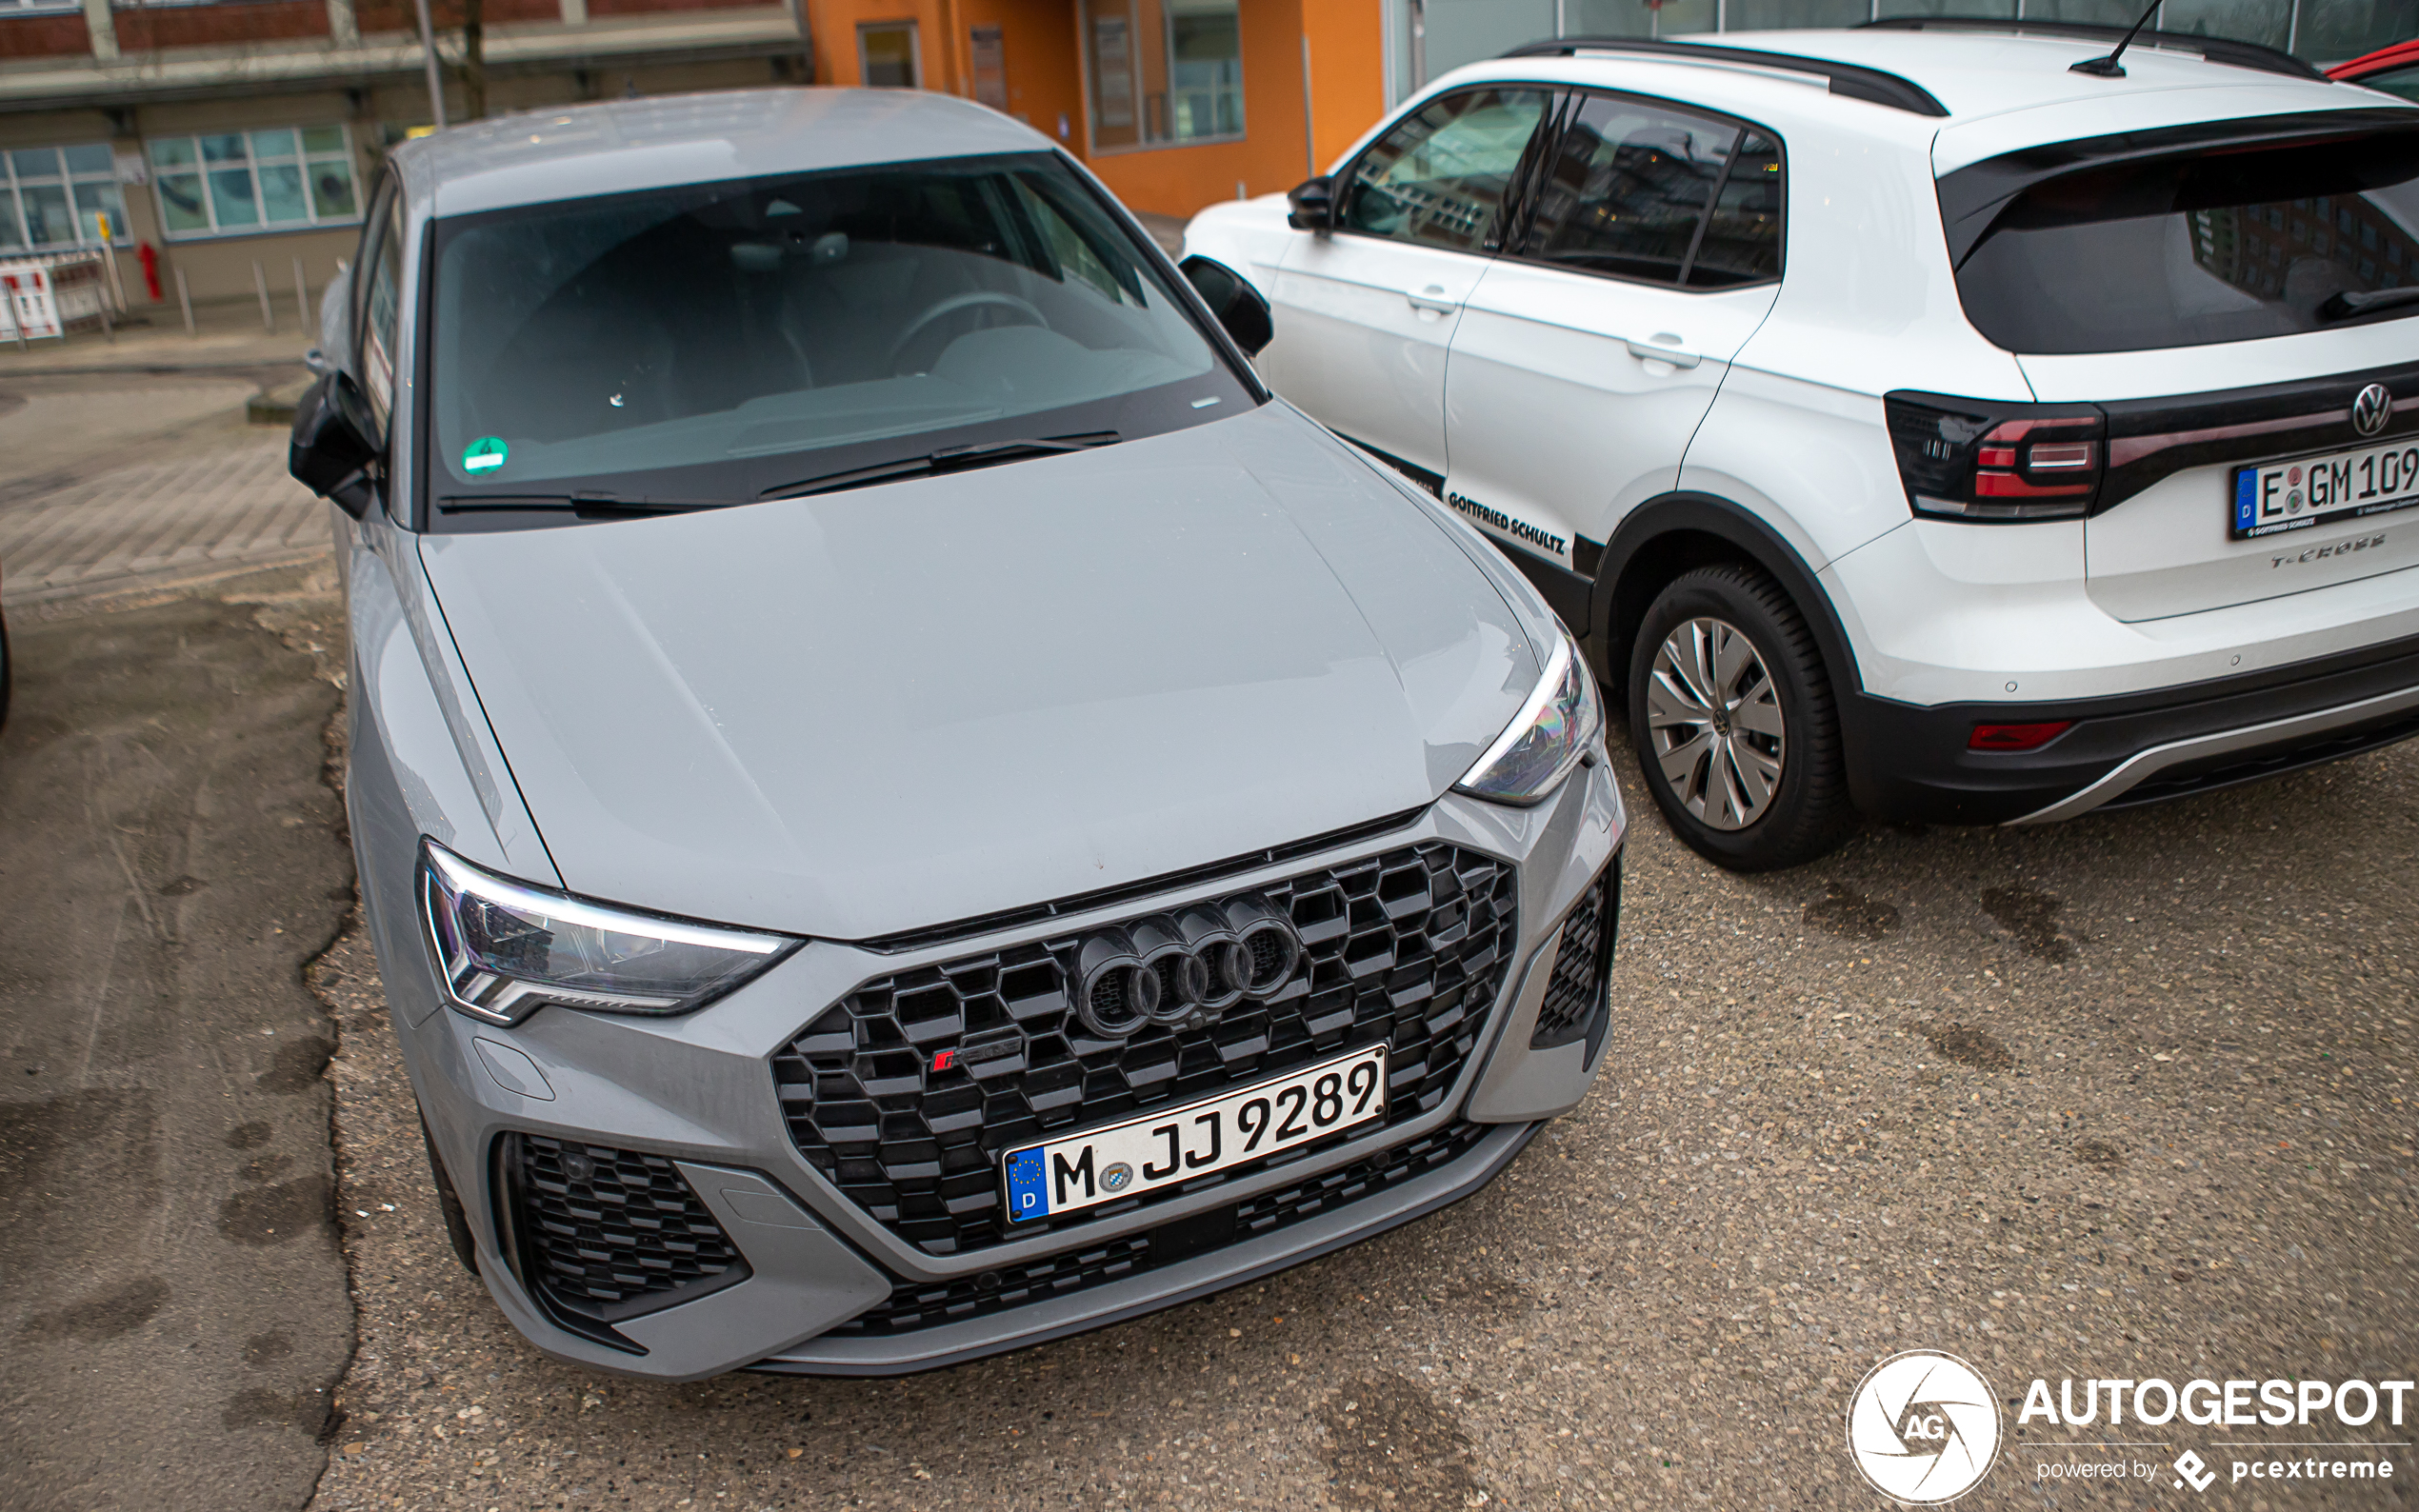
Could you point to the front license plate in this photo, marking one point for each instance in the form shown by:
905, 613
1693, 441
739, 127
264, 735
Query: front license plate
2313, 491
1176, 1144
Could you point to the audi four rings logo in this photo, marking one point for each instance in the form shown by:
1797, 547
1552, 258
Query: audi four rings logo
1169, 967
2371, 408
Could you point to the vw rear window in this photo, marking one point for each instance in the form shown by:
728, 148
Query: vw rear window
2232, 244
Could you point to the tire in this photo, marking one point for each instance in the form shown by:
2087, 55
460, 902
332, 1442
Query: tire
1767, 786
457, 1219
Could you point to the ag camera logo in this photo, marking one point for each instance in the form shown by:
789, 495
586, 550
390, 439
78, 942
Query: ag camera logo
1923, 1427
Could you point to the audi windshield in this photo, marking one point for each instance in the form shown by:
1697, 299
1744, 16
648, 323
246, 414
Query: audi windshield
719, 344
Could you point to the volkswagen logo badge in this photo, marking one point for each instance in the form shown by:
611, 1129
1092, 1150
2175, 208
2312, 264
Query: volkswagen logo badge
1172, 968
2371, 408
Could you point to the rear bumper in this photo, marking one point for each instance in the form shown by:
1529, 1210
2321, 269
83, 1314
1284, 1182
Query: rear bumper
1911, 765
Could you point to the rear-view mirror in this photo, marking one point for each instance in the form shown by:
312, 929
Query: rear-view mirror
1312, 205
1237, 304
331, 451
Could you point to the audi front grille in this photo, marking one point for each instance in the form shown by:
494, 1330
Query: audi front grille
1409, 947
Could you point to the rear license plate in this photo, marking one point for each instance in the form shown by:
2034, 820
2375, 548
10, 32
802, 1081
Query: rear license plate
1176, 1144
2307, 492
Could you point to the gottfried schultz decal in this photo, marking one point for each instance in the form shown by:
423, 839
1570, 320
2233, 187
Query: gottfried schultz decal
1517, 530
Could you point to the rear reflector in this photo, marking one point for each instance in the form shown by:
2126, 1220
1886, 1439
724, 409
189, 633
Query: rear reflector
2016, 737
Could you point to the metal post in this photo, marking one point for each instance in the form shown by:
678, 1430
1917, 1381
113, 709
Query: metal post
1419, 44
302, 298
185, 303
1721, 15
1309, 148
2294, 27
260, 282
1562, 19
429, 54
108, 328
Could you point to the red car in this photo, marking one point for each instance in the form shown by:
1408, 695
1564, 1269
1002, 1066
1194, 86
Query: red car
2395, 69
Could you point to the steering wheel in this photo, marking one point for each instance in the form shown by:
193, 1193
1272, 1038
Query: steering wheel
942, 310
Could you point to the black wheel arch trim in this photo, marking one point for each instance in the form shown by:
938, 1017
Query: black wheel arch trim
1660, 520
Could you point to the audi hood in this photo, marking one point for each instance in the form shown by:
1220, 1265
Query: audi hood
922, 702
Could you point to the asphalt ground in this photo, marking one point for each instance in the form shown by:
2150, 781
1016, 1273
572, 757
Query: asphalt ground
2123, 1099
174, 1317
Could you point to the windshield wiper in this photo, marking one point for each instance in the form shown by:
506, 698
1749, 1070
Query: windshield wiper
587, 506
949, 459
2354, 302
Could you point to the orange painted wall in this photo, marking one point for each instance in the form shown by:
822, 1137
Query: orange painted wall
1348, 72
1044, 78
1270, 158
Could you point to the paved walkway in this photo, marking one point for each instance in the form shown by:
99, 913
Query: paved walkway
227, 508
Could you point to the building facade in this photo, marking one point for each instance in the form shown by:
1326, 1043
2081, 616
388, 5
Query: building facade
238, 138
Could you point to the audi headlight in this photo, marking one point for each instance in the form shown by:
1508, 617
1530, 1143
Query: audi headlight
506, 950
1553, 731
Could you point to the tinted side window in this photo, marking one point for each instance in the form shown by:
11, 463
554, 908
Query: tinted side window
1742, 242
2404, 82
1628, 190
1439, 177
381, 298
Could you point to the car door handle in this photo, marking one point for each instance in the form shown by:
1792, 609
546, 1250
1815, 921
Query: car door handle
1430, 301
1651, 352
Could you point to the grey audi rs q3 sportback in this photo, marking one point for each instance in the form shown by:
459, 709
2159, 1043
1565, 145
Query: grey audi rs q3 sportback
906, 807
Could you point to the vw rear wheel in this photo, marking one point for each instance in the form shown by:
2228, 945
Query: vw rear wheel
1734, 725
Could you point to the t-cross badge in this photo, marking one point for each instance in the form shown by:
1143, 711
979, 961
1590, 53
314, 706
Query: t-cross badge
1933, 420
905, 805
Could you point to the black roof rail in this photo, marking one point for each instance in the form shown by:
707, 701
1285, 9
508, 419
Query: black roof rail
2213, 50
1852, 80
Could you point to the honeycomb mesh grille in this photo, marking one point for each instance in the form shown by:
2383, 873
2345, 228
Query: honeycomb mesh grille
916, 1306
1576, 993
1408, 949
604, 1232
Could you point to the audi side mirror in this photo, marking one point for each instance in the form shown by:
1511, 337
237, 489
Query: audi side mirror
331, 451
1237, 304
1312, 205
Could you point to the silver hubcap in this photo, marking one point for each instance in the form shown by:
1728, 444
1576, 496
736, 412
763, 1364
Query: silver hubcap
1716, 719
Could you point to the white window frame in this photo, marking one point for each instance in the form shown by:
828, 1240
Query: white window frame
201, 168
120, 233
40, 8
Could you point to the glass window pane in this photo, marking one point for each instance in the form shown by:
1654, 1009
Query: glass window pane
281, 193
1205, 70
1742, 241
230, 197
181, 207
11, 234
323, 138
176, 151
93, 157
1627, 188
47, 221
2233, 245
1438, 178
2404, 82
41, 162
227, 148
332, 189
887, 55
94, 199
272, 143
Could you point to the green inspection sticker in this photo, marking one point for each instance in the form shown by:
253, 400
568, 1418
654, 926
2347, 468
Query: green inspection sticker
485, 454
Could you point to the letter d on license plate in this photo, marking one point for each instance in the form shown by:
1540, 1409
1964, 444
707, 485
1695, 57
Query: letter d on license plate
1178, 1144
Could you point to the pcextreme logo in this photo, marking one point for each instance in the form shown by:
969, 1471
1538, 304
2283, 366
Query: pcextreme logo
1923, 1427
